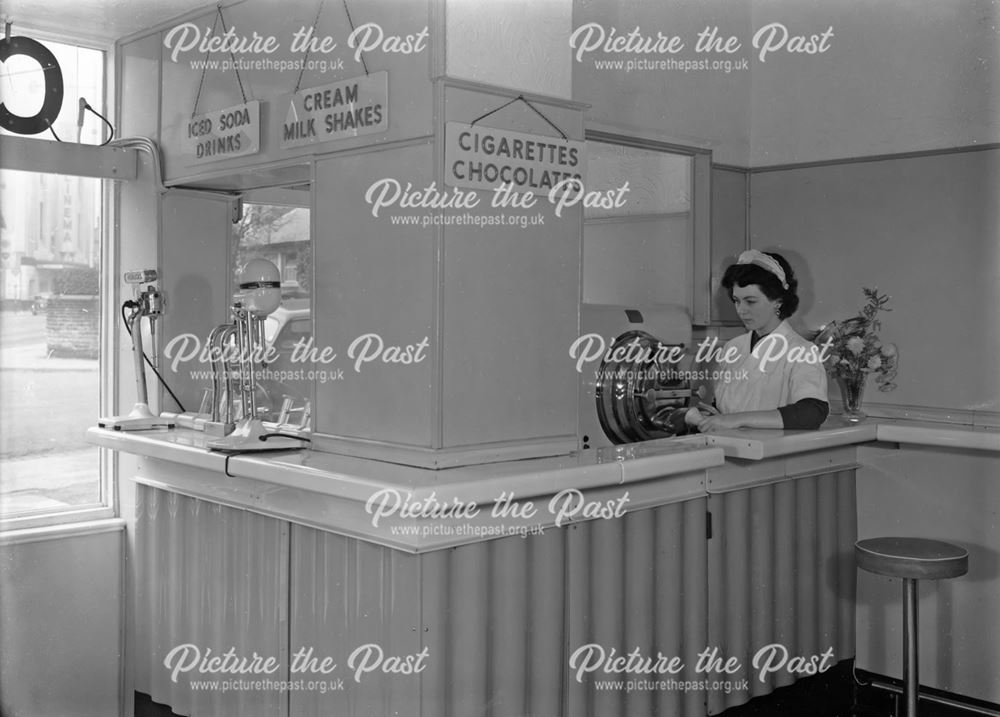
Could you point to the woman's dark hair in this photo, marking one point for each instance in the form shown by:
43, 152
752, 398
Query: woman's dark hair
770, 286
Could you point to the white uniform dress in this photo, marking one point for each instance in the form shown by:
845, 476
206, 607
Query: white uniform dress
770, 383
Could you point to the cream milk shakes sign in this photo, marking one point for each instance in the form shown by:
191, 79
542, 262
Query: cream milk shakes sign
486, 158
221, 134
349, 108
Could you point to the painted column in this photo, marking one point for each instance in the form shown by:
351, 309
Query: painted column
454, 310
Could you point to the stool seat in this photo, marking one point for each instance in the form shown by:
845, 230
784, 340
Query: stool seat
913, 558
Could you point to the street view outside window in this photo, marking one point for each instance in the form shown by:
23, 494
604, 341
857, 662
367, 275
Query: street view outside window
50, 250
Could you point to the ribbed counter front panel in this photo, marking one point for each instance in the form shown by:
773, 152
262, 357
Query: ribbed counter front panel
214, 578
638, 583
499, 620
781, 571
350, 595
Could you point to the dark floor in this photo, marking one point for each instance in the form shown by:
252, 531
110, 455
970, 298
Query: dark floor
145, 707
839, 692
831, 694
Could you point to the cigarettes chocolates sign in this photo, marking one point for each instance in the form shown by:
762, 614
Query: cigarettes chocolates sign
485, 158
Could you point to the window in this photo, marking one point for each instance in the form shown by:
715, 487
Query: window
51, 311
641, 253
275, 226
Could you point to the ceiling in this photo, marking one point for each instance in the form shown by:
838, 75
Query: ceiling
101, 21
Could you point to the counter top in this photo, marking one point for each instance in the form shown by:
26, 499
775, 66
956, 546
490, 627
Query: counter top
926, 433
762, 443
356, 478
418, 509
423, 509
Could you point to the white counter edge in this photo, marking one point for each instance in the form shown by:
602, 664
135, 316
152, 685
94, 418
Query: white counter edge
330, 492
760, 444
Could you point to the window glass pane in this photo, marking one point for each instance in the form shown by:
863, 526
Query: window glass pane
50, 308
640, 253
49, 340
659, 182
22, 87
280, 234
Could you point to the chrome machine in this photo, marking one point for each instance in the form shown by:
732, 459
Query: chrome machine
634, 373
238, 352
146, 303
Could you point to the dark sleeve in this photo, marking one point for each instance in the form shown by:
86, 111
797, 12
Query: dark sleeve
806, 414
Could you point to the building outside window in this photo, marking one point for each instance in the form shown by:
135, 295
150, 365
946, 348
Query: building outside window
51, 246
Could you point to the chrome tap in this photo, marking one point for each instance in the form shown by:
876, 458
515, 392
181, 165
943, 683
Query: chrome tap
219, 341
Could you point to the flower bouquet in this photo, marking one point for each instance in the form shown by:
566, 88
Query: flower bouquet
856, 351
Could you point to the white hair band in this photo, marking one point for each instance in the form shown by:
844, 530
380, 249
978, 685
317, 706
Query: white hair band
752, 256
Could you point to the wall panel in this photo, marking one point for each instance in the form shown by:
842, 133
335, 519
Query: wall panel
926, 231
729, 235
947, 495
376, 277
194, 265
700, 108
60, 625
897, 77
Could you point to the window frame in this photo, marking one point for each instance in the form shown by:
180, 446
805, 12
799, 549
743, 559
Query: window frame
701, 198
108, 505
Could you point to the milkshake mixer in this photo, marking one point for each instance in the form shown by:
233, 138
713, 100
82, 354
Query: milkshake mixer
237, 351
147, 302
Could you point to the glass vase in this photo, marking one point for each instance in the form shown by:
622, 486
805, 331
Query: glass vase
852, 391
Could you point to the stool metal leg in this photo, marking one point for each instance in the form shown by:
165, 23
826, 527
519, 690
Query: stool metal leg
911, 679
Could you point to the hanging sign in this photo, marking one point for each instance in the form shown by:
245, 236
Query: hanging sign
482, 157
221, 134
53, 86
349, 108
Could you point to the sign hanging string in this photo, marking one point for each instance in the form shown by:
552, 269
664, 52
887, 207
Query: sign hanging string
204, 69
305, 55
351, 22
536, 110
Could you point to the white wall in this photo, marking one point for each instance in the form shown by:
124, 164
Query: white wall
953, 496
700, 108
60, 625
521, 44
899, 76
924, 230
194, 266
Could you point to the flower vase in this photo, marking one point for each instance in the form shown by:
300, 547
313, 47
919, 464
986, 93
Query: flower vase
852, 390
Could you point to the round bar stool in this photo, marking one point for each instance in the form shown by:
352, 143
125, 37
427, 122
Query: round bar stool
911, 559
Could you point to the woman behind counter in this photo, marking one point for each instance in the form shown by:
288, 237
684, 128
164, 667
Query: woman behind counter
783, 393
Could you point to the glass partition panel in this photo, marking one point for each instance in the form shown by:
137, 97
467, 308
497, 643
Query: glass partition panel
641, 252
